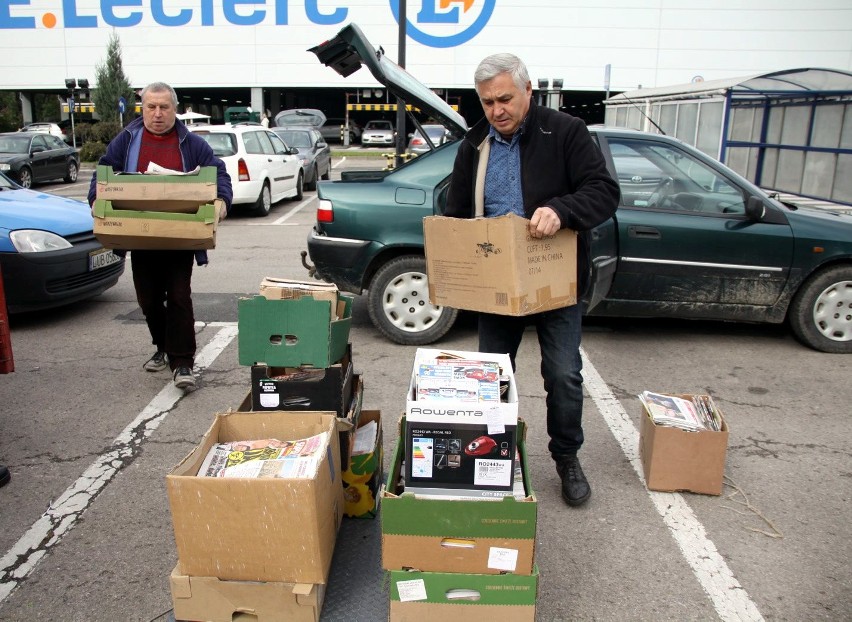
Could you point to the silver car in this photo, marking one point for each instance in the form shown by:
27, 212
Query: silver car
438, 134
313, 152
378, 133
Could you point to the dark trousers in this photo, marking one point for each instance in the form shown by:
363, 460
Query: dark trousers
559, 334
164, 292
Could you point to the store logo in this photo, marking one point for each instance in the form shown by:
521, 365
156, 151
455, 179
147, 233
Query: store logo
438, 21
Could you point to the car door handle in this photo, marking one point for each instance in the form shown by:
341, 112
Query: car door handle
649, 233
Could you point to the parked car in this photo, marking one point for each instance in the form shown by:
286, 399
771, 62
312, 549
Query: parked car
48, 253
263, 169
54, 129
438, 134
312, 150
300, 117
378, 133
33, 157
333, 133
702, 243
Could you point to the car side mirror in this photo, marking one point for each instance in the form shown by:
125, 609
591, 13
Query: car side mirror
293, 151
755, 209
321, 144
37, 150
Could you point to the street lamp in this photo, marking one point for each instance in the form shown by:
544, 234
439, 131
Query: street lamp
74, 85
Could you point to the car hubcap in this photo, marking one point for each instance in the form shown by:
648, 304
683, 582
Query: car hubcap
406, 303
833, 312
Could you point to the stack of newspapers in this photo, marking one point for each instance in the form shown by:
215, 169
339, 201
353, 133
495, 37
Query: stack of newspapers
265, 458
692, 413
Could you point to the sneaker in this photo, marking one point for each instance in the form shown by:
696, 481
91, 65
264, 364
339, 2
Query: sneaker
575, 488
184, 378
5, 476
158, 362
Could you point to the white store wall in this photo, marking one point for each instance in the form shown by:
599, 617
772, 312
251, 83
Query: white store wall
647, 42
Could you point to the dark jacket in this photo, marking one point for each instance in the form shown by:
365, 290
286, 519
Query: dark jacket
561, 167
122, 154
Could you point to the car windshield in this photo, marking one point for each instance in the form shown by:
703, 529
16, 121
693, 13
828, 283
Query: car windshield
223, 144
295, 138
15, 144
378, 125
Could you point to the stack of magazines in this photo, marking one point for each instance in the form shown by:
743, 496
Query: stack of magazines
265, 458
694, 414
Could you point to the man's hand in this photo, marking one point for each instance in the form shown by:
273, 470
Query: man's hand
545, 221
223, 210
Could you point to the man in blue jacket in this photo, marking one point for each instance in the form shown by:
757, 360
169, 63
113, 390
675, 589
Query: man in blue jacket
162, 278
543, 165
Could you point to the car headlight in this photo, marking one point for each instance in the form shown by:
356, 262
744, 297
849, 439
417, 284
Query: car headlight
36, 241
5, 166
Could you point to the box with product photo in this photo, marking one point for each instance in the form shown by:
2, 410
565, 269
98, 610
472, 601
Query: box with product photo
145, 230
216, 600
461, 433
157, 193
281, 529
457, 534
680, 460
364, 477
303, 388
493, 265
463, 597
292, 333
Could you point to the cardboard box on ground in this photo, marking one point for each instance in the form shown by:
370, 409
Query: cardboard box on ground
365, 475
493, 265
459, 446
680, 460
266, 529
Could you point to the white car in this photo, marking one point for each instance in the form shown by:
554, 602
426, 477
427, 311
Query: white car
378, 133
49, 128
263, 169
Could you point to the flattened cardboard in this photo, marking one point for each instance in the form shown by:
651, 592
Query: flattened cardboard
139, 230
215, 600
363, 479
490, 597
258, 529
157, 193
274, 288
493, 265
291, 333
437, 535
676, 460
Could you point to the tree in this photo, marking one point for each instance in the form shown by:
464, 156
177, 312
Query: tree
10, 111
112, 84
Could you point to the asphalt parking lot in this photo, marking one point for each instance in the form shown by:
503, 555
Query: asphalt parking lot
85, 528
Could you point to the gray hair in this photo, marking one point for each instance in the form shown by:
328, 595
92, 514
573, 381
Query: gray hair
494, 65
159, 87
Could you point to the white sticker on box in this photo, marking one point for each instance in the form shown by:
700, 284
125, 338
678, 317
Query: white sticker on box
415, 589
269, 400
494, 420
490, 472
502, 559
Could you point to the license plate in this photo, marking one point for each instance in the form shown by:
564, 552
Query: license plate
102, 259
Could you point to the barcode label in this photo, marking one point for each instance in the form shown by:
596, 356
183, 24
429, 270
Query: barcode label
493, 473
501, 299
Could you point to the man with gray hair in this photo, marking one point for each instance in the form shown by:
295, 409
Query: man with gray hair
543, 165
162, 278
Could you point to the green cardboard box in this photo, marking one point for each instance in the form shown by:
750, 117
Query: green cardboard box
157, 193
465, 597
138, 230
363, 479
290, 333
481, 536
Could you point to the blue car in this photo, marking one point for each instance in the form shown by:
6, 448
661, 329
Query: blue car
48, 254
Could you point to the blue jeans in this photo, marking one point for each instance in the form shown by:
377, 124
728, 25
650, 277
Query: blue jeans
561, 367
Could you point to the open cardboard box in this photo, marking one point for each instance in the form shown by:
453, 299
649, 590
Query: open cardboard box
258, 529
363, 479
157, 193
493, 265
145, 230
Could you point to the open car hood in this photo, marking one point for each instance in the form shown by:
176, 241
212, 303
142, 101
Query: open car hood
349, 49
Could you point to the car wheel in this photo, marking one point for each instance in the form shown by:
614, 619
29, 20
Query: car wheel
264, 201
25, 177
71, 173
398, 301
300, 187
821, 313
312, 185
327, 175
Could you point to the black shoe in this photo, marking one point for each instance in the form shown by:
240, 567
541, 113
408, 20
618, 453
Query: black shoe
158, 362
184, 378
575, 488
5, 476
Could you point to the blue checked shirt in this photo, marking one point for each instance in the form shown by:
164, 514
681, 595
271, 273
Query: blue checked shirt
503, 177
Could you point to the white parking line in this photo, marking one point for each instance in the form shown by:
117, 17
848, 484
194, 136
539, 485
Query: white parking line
729, 598
63, 513
293, 212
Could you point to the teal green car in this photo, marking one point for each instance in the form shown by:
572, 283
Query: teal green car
691, 238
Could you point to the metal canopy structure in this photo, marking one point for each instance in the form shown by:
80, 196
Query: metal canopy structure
788, 131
